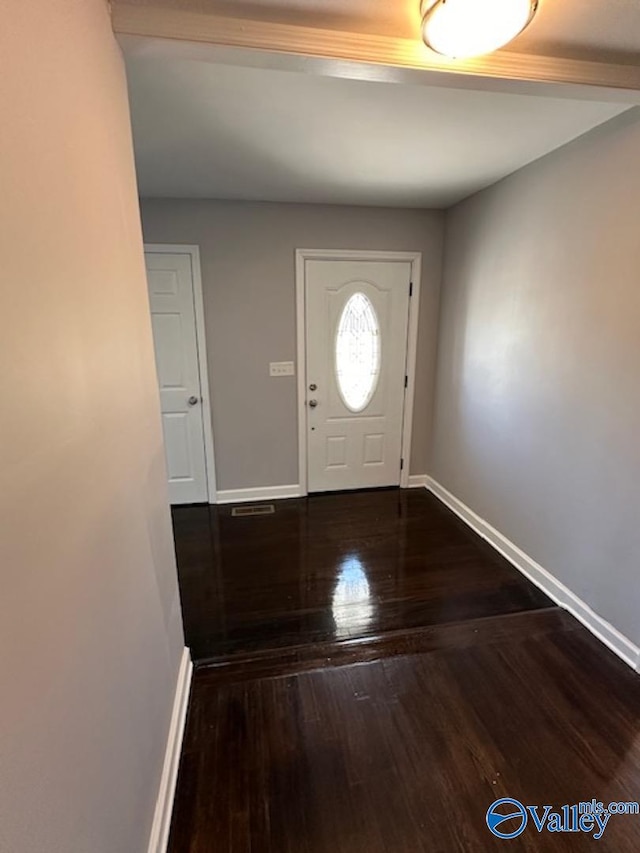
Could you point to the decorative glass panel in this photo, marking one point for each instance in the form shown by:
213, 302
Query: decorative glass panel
358, 352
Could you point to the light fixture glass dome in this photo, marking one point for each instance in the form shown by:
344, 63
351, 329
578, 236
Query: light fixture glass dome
464, 28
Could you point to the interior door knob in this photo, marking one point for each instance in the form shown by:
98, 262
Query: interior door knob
313, 403
192, 401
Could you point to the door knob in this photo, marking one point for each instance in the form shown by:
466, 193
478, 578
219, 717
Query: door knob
313, 403
192, 401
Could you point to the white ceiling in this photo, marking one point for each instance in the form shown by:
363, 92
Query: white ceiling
221, 131
601, 30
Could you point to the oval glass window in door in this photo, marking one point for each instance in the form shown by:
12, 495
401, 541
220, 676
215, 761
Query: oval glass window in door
357, 352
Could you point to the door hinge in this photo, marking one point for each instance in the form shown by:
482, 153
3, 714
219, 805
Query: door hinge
406, 381
401, 464
410, 288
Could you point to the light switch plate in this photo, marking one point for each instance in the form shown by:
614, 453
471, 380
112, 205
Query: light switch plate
281, 368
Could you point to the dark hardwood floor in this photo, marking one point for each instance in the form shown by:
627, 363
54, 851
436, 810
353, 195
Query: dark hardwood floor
406, 753
333, 568
373, 676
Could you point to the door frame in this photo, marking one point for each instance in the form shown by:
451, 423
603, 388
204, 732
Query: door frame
415, 260
201, 346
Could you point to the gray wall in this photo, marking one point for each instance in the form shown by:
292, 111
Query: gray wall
247, 253
90, 628
537, 422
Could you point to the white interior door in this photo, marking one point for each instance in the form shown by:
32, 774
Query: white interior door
171, 298
356, 345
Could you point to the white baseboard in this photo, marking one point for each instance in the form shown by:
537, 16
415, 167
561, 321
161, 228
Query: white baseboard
259, 493
418, 481
274, 493
557, 591
164, 804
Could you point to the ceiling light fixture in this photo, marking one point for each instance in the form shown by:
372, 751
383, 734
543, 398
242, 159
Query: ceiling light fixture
464, 28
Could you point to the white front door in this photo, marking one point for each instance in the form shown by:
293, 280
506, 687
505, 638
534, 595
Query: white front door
171, 298
356, 341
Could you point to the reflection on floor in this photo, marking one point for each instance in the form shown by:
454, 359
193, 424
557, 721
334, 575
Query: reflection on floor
377, 678
333, 568
352, 607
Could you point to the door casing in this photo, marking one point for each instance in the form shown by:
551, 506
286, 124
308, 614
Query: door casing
198, 302
304, 255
